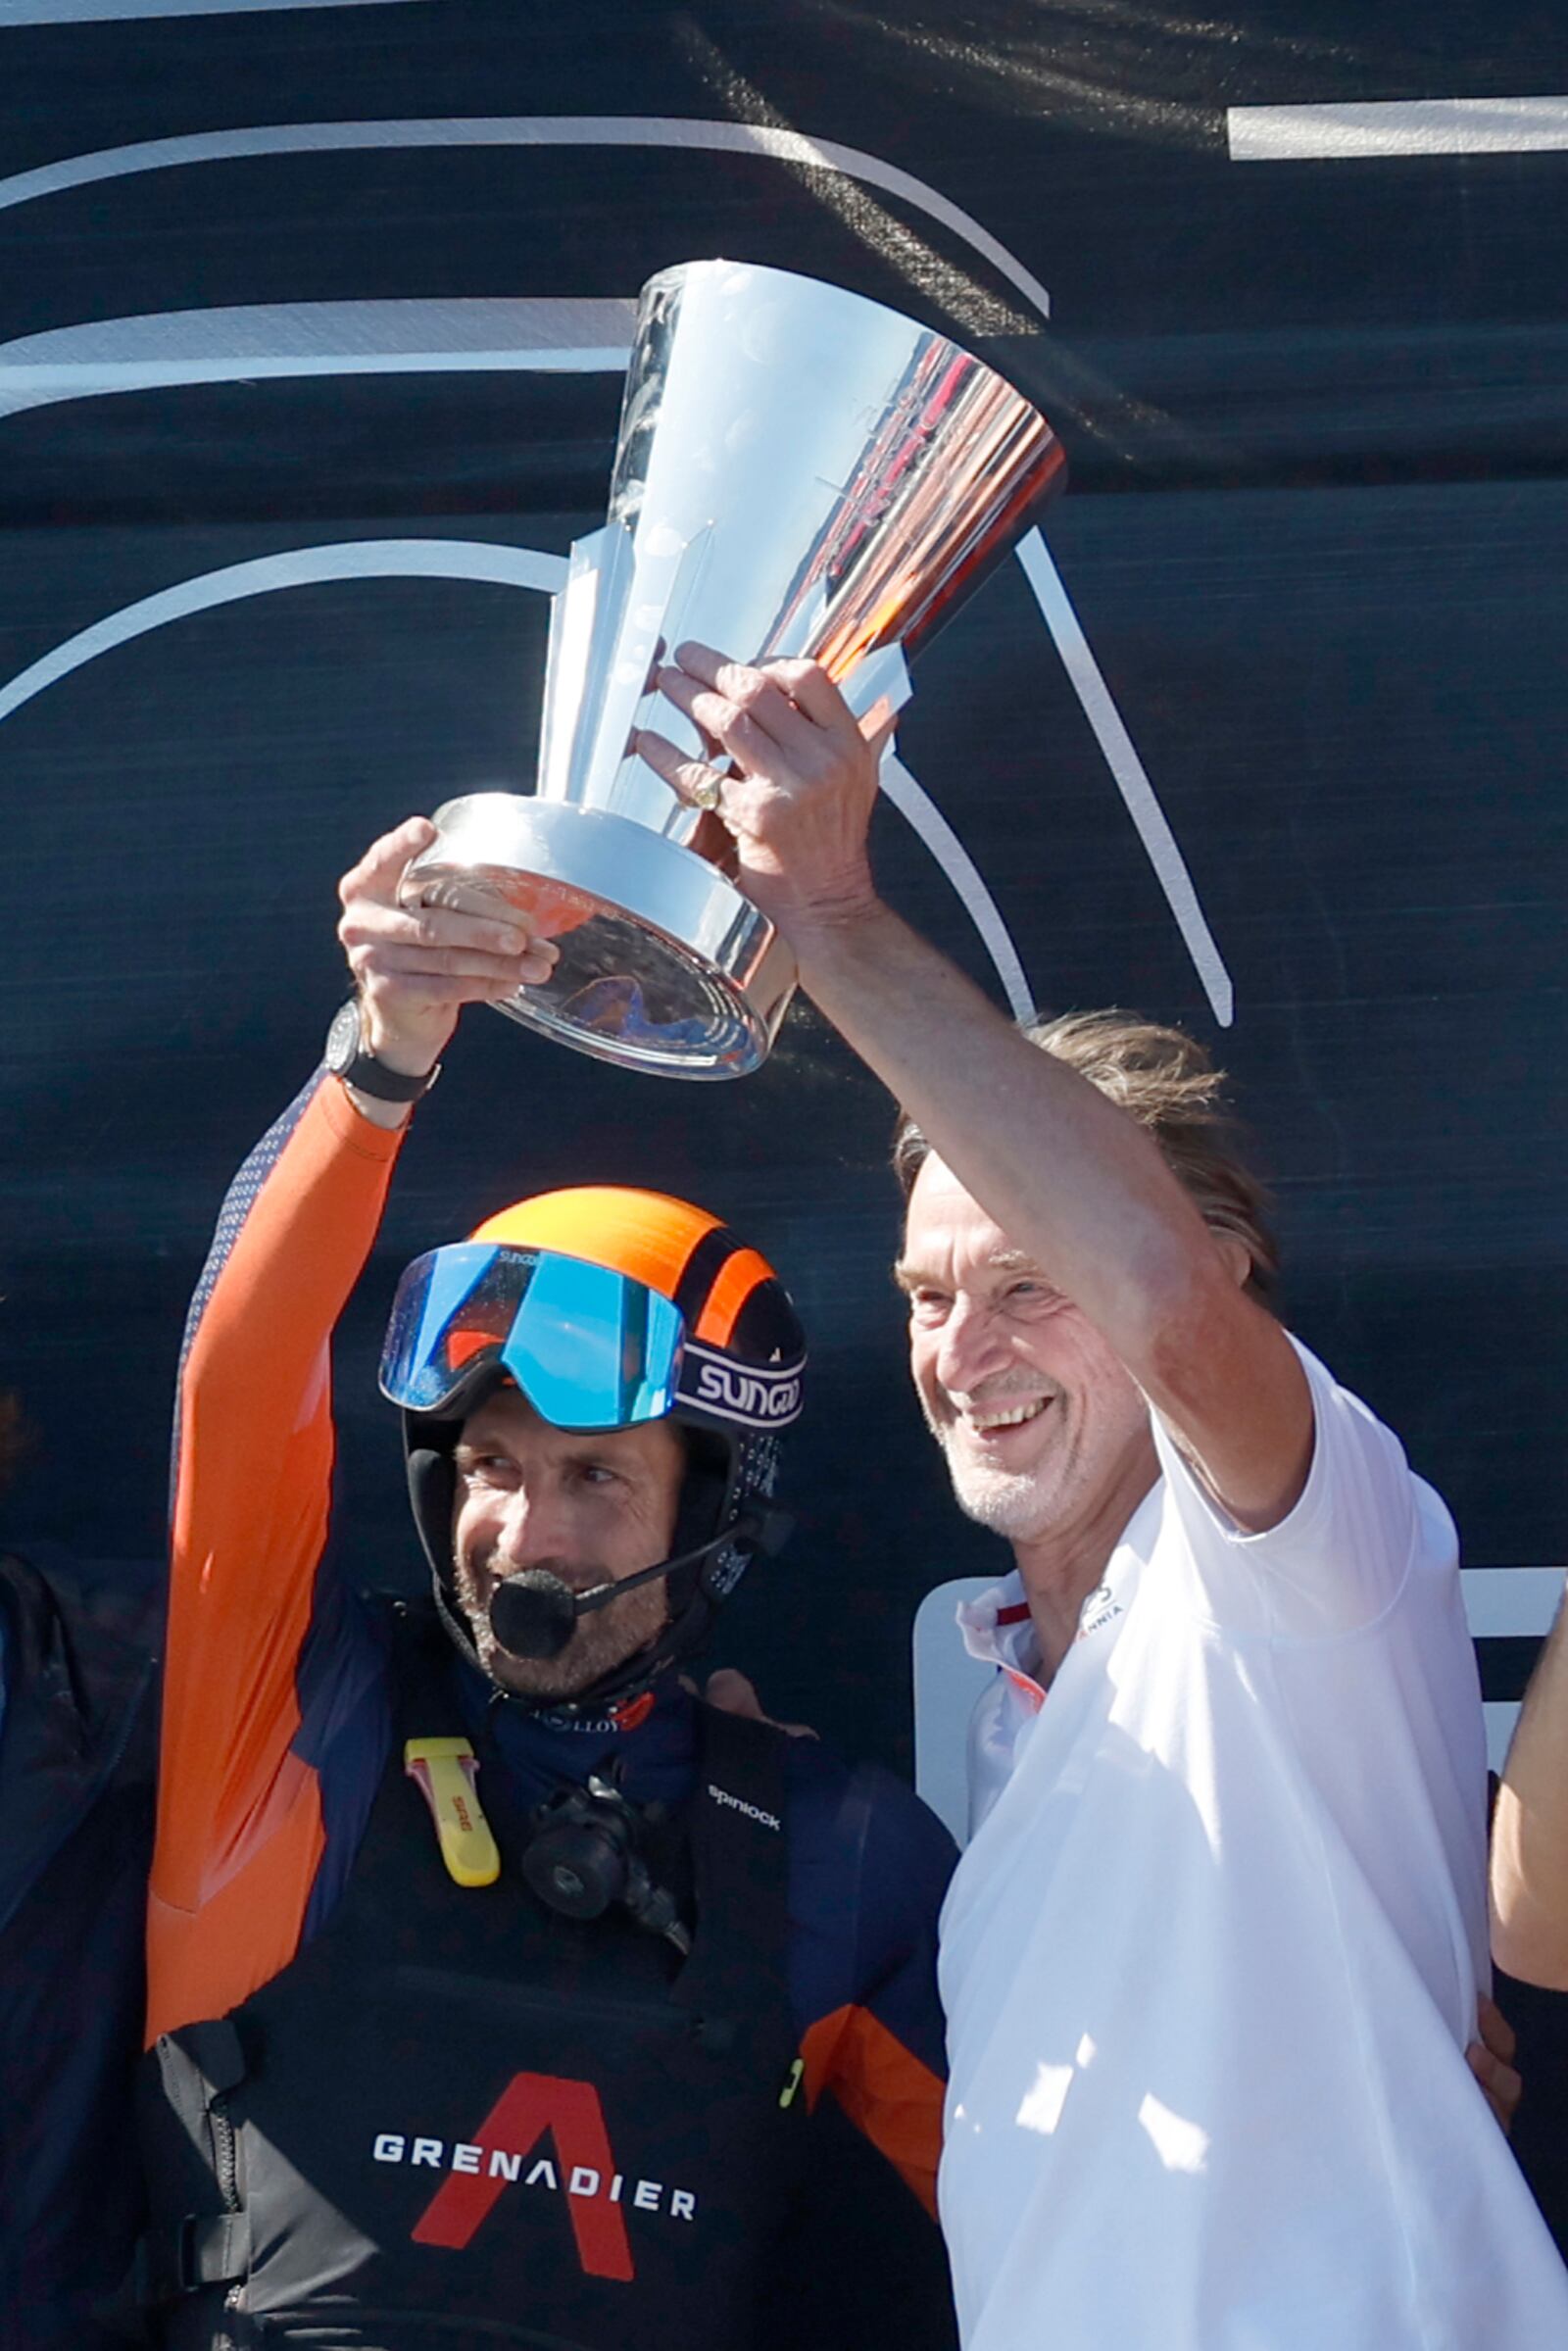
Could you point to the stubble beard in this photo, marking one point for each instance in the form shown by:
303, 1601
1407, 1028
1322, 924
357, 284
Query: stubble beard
1019, 1505
600, 1642
1013, 1504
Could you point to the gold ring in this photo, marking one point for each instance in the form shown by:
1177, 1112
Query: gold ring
705, 794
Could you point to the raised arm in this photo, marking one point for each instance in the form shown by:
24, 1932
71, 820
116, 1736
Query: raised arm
1530, 1830
239, 1828
1076, 1184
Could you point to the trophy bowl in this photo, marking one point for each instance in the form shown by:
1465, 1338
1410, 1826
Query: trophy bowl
665, 964
799, 474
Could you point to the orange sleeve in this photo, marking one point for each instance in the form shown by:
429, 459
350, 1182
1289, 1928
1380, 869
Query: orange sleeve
239, 1824
884, 2089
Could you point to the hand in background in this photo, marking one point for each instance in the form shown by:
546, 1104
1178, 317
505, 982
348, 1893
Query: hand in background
732, 1694
1491, 2061
415, 968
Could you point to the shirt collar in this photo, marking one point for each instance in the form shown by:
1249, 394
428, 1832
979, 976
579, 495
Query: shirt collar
996, 1626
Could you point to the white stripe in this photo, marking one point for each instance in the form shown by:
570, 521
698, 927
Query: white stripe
1510, 1600
1132, 780
921, 812
297, 568
97, 12
527, 130
313, 338
1396, 126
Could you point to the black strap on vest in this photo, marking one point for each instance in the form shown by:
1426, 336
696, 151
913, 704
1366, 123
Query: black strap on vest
736, 1817
198, 2249
215, 2251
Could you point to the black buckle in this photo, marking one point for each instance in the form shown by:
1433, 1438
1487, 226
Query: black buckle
199, 2249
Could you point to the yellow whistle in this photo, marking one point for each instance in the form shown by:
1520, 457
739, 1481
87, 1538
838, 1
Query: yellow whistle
445, 1770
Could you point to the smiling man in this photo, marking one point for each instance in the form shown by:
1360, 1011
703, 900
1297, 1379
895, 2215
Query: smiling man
1211, 1957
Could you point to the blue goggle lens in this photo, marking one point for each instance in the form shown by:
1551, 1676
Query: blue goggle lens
589, 1348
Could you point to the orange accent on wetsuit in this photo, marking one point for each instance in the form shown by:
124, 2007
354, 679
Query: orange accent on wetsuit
239, 1823
883, 2089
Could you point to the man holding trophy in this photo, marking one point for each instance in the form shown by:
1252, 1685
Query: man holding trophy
1212, 1958
491, 1976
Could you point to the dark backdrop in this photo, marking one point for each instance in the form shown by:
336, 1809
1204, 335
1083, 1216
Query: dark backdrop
1315, 414
1316, 419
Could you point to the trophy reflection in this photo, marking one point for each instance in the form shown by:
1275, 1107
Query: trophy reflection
800, 473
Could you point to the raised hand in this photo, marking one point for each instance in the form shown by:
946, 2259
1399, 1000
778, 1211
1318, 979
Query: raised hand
415, 968
800, 803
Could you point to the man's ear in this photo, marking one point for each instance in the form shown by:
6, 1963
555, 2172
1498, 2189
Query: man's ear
1237, 1256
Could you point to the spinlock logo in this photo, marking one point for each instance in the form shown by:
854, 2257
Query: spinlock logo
765, 1398
764, 1820
480, 2170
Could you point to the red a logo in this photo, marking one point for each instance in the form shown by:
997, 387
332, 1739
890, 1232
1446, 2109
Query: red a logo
531, 2105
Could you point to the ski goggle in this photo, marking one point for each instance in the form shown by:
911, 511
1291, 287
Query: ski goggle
589, 1348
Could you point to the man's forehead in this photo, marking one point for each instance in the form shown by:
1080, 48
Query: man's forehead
945, 1222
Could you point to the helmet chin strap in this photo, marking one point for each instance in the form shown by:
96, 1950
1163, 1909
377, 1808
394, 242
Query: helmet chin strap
534, 1614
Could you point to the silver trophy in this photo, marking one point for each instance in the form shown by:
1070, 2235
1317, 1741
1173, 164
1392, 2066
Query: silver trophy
799, 473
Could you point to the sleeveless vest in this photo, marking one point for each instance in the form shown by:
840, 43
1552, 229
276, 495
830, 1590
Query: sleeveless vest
460, 2118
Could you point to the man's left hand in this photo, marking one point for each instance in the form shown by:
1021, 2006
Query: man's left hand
798, 803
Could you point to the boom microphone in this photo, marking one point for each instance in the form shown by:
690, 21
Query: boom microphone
534, 1613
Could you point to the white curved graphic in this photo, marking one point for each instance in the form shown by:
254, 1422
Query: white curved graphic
287, 339
526, 567
298, 568
498, 566
526, 130
1131, 777
99, 12
921, 814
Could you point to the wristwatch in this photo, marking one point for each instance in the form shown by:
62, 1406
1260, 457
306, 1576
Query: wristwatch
350, 1058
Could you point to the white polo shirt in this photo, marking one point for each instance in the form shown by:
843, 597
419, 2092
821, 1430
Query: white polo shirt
1211, 1957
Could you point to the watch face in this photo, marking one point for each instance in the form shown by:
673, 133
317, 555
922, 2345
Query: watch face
343, 1038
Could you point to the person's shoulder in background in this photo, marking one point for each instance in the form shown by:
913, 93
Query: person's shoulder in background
81, 1639
78, 1760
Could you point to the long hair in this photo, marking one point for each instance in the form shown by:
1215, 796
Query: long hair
1168, 1081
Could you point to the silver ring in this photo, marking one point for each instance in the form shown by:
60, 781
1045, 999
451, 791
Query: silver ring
705, 794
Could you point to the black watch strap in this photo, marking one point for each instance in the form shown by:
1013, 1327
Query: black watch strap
349, 1057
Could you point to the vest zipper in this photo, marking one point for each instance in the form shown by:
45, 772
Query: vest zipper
225, 2156
225, 2164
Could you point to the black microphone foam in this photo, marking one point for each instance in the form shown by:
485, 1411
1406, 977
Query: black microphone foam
534, 1614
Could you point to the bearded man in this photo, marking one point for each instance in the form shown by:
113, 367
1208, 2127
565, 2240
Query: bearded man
491, 1977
